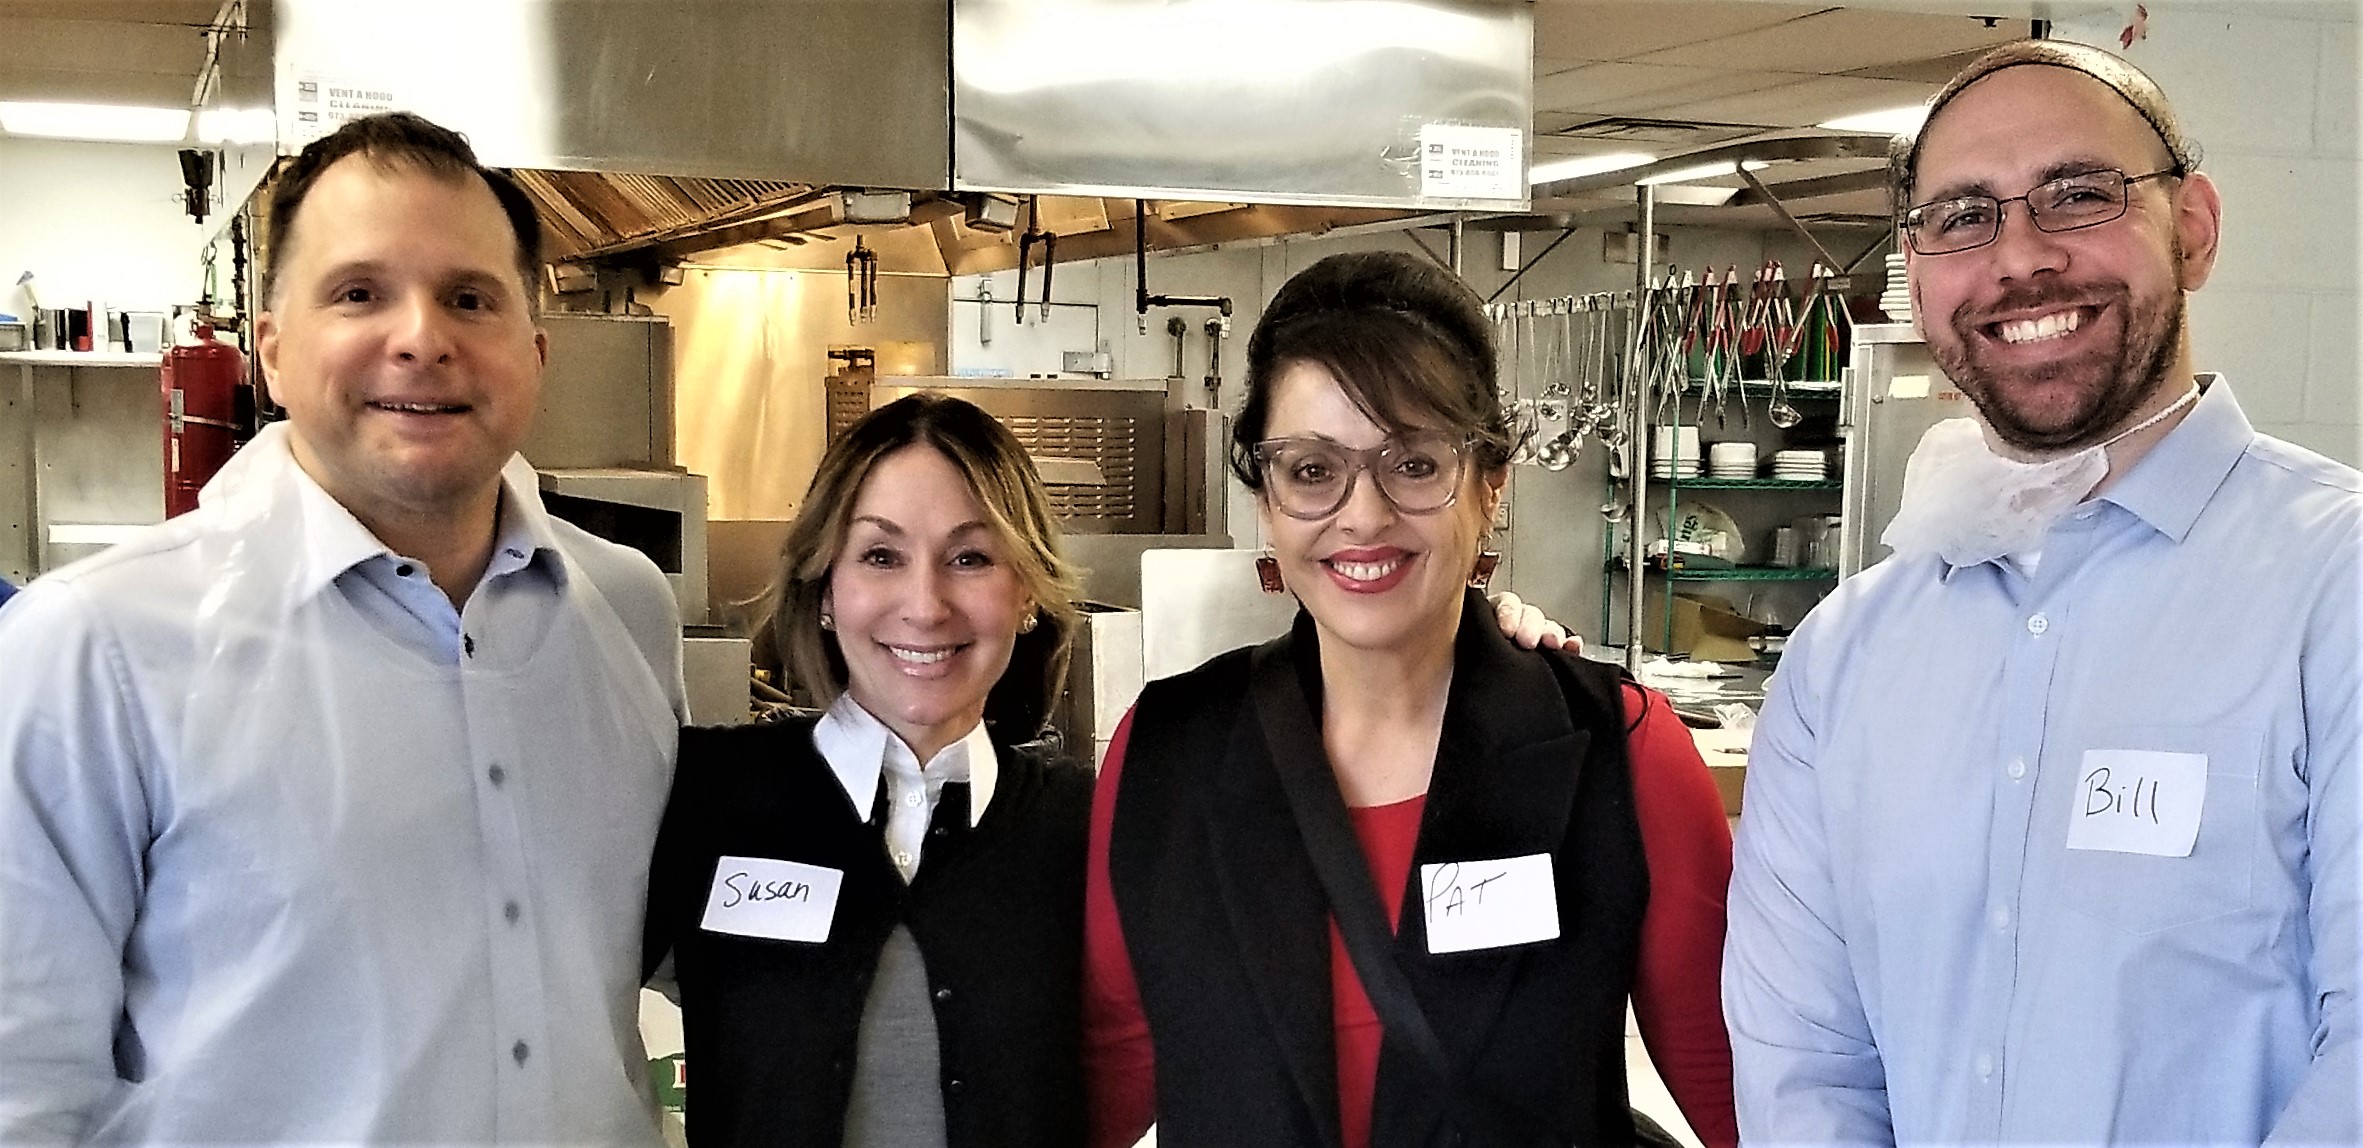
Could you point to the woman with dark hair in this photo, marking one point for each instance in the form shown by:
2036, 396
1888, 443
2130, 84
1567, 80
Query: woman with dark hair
875, 915
1389, 880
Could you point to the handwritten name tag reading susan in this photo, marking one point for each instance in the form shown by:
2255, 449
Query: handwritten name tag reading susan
777, 900
2138, 801
1489, 904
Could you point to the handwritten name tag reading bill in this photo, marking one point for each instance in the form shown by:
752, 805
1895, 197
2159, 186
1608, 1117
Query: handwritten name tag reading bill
778, 900
2138, 801
1488, 904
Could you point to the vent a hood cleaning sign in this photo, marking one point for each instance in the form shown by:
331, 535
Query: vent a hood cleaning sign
325, 101
1464, 161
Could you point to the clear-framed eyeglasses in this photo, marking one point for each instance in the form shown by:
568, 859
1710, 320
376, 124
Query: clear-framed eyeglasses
1311, 478
2069, 203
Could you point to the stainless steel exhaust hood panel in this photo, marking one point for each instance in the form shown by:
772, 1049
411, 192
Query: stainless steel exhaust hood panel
1267, 101
851, 92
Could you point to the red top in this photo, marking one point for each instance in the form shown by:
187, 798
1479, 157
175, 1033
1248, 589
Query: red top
1676, 991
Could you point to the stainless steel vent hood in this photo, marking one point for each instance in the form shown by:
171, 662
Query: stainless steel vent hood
1403, 104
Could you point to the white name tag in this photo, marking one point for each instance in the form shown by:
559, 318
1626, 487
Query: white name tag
1489, 904
780, 900
2138, 801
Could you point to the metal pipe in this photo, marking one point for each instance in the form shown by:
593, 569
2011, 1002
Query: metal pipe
1637, 445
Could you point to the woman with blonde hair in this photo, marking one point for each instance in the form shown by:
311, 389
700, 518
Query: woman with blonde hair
875, 915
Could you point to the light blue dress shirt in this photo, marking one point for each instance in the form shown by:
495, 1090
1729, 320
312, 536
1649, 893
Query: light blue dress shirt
1916, 956
292, 851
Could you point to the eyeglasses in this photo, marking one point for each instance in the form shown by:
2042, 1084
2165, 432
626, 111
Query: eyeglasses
1311, 478
2070, 203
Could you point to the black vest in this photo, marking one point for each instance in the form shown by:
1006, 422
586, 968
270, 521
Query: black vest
997, 911
1227, 925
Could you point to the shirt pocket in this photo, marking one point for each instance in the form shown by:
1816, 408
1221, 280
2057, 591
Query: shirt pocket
2141, 893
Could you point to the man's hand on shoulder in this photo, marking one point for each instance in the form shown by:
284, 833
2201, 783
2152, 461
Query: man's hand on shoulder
1526, 625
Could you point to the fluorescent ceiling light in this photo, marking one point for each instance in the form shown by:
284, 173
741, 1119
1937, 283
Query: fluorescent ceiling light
105, 122
1703, 171
237, 125
1582, 165
1891, 122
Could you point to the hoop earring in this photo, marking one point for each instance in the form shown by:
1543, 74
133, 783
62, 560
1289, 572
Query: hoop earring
1267, 574
1481, 571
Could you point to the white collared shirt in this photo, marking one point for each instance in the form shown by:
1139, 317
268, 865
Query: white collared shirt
293, 851
858, 747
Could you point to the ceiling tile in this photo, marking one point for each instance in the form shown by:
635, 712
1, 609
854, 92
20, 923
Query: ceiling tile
57, 85
1617, 29
1837, 41
1623, 87
1800, 104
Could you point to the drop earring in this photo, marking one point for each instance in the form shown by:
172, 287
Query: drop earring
1267, 574
1481, 571
1027, 626
828, 621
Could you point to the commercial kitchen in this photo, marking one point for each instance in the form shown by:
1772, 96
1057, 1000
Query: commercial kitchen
765, 217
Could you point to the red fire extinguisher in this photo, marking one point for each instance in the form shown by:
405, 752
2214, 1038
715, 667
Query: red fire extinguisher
201, 381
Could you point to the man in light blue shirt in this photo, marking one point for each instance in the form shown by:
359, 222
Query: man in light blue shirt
326, 809
2051, 819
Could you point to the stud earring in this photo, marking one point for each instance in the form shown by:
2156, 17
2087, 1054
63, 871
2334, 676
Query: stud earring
1481, 571
828, 621
1267, 574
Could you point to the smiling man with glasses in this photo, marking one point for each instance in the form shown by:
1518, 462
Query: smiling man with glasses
2051, 828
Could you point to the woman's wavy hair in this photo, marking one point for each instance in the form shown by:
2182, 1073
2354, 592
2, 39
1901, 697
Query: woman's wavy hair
1002, 478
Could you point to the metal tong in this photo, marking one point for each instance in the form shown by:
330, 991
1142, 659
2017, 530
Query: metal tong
1025, 244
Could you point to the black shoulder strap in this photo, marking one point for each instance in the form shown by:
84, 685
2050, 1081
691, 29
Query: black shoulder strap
1285, 714
1286, 717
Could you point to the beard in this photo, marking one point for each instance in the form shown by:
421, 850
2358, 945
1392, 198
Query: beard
2110, 383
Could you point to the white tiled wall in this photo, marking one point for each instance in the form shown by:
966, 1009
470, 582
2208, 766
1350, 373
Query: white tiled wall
2268, 87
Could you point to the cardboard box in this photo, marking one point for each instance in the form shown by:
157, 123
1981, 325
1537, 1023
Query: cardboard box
1705, 630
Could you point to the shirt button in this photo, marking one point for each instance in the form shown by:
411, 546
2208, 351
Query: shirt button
405, 570
520, 1052
497, 775
914, 799
943, 996
512, 911
2001, 918
2038, 624
467, 644
1984, 1066
903, 859
2017, 768
956, 1085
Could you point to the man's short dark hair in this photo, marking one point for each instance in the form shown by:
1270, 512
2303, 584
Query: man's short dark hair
395, 140
2135, 87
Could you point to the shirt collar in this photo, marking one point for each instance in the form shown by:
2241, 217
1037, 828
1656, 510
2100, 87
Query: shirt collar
2172, 484
307, 531
856, 745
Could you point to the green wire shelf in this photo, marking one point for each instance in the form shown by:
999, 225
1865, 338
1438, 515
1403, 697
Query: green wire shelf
1749, 484
1761, 388
1755, 574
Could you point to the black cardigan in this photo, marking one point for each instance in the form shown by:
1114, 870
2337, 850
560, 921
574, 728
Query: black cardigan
1227, 923
997, 913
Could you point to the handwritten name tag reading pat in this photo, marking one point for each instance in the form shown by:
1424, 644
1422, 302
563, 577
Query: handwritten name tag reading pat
2138, 801
778, 900
1488, 904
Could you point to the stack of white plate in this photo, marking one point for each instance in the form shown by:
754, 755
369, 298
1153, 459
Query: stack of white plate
1674, 453
1896, 301
1731, 460
1801, 465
